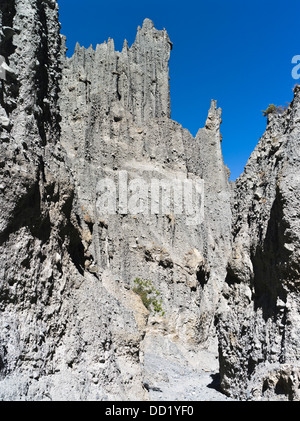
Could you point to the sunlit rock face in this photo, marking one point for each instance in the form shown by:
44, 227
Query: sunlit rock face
259, 329
95, 129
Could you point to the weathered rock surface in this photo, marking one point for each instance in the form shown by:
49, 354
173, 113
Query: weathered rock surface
226, 262
135, 79
106, 131
61, 331
71, 328
259, 319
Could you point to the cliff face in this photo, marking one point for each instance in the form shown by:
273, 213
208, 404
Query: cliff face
56, 339
71, 326
116, 126
137, 78
81, 133
259, 323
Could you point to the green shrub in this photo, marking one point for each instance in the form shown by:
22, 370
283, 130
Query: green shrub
274, 109
149, 295
271, 108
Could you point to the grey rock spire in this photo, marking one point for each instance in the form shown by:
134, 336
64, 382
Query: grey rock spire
137, 77
116, 117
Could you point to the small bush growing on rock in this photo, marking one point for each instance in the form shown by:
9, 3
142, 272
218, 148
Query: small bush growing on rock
149, 295
271, 108
274, 109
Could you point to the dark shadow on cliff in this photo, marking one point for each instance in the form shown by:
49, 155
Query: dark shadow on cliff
28, 213
32, 212
216, 382
270, 262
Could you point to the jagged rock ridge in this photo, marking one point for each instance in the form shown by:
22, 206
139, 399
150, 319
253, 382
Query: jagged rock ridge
258, 329
137, 78
71, 327
103, 135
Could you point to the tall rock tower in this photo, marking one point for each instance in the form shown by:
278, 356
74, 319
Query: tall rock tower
115, 109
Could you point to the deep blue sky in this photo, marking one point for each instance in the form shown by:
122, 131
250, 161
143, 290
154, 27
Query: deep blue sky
238, 52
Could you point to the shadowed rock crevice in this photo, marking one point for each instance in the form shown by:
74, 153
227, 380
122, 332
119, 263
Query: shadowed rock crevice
28, 213
270, 263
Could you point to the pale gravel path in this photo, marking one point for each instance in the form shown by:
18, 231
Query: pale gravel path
171, 376
180, 383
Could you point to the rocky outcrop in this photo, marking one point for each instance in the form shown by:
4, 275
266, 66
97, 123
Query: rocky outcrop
258, 325
135, 79
109, 133
98, 187
71, 327
56, 337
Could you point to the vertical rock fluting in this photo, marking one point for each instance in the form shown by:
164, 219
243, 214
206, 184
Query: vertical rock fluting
115, 109
137, 78
259, 325
70, 325
34, 205
61, 333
